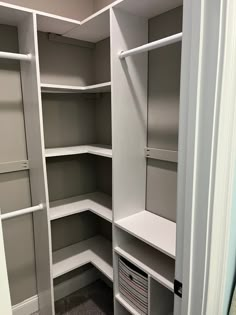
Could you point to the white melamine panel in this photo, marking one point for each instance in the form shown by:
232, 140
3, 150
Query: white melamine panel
93, 29
97, 203
96, 149
152, 229
35, 144
148, 8
129, 114
55, 24
96, 250
151, 261
96, 88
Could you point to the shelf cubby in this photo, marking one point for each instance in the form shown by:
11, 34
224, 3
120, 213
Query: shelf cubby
161, 299
156, 264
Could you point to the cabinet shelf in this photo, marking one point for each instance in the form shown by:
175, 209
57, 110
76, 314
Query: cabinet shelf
98, 203
152, 229
101, 150
95, 88
96, 250
159, 266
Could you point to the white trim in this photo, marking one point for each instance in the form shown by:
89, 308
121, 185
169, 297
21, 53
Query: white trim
27, 307
206, 155
225, 170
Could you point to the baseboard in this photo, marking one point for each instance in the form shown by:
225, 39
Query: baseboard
67, 287
27, 307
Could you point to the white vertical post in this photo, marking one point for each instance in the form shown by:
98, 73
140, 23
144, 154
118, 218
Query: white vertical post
5, 298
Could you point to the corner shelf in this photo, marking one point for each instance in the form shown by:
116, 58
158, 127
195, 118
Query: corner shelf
100, 150
160, 233
159, 266
95, 88
98, 203
96, 250
126, 305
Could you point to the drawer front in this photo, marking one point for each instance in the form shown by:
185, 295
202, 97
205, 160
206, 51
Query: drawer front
133, 286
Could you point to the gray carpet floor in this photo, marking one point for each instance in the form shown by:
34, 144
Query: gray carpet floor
95, 299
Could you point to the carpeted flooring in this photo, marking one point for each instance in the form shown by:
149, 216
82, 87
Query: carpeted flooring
95, 299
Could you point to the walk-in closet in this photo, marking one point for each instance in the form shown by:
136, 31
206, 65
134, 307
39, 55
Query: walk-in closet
89, 129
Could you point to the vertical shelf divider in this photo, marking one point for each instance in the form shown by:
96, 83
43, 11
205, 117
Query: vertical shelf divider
129, 124
30, 76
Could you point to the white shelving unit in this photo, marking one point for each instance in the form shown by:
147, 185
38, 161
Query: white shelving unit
72, 180
161, 233
100, 150
96, 250
98, 203
96, 88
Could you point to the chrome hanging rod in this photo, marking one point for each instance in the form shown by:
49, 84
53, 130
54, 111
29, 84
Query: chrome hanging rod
21, 212
14, 56
150, 46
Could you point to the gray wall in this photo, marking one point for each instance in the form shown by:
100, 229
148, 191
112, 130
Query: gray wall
14, 187
71, 64
163, 113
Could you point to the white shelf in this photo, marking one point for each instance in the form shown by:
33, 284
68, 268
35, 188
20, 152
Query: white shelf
96, 250
98, 203
159, 266
126, 305
96, 88
148, 8
101, 150
51, 23
94, 28
154, 230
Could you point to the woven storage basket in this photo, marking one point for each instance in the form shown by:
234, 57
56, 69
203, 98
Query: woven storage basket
133, 286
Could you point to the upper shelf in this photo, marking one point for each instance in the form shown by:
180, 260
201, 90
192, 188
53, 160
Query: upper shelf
148, 8
101, 150
96, 88
160, 233
93, 29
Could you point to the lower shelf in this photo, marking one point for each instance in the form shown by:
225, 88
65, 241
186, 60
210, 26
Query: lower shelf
98, 203
96, 250
152, 229
126, 305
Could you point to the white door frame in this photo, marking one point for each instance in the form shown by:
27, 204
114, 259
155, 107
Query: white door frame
5, 300
207, 153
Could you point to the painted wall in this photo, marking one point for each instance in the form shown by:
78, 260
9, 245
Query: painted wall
231, 269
